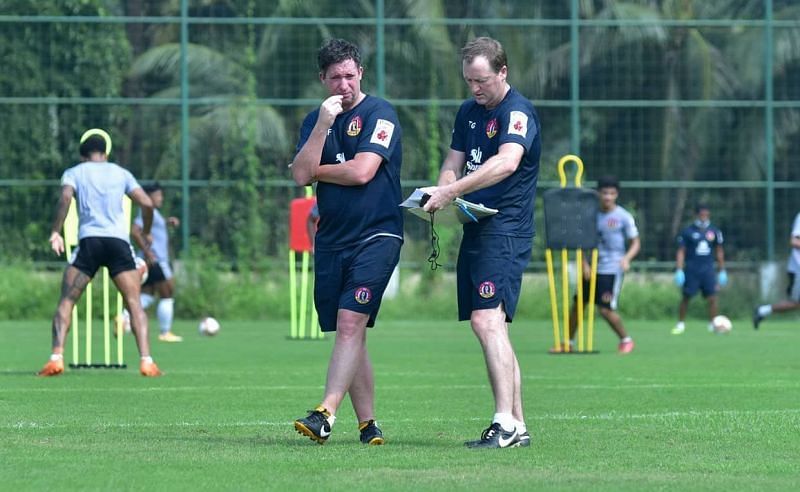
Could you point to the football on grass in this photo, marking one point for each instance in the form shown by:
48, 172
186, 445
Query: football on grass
722, 324
208, 327
141, 267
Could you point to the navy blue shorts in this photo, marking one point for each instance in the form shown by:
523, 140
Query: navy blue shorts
489, 273
353, 279
93, 252
703, 280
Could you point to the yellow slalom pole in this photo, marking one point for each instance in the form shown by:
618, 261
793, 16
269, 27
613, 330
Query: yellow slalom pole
314, 329
106, 319
303, 294
565, 295
551, 280
88, 330
120, 329
592, 293
293, 293
579, 303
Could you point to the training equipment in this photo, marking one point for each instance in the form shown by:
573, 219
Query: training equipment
315, 426
571, 224
141, 267
722, 325
70, 242
208, 326
102, 133
300, 243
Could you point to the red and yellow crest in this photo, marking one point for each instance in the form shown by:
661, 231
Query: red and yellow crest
354, 127
491, 128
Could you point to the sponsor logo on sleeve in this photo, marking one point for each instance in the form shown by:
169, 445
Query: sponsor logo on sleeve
518, 123
382, 135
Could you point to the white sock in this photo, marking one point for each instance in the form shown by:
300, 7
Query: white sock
765, 310
56, 357
147, 359
147, 300
626, 340
506, 421
331, 420
164, 312
521, 427
681, 325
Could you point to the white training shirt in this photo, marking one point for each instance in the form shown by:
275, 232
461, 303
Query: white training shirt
794, 256
99, 189
615, 228
158, 230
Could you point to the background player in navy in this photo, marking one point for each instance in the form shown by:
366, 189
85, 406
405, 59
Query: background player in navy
698, 246
618, 245
99, 187
351, 148
793, 289
493, 160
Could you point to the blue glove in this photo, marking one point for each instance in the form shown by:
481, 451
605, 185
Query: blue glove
680, 277
722, 278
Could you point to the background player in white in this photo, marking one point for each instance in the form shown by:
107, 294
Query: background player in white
793, 289
616, 228
160, 279
99, 187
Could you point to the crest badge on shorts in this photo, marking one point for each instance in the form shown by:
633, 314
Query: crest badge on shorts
363, 295
486, 289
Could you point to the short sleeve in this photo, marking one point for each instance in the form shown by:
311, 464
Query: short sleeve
381, 131
518, 126
68, 178
458, 138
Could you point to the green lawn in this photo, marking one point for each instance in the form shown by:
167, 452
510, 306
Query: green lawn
690, 412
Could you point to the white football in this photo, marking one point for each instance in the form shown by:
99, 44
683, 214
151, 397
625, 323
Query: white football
141, 267
208, 326
722, 324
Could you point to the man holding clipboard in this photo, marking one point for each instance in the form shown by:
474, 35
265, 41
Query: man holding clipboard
493, 161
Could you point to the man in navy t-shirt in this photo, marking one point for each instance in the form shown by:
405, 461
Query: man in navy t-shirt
699, 245
350, 146
493, 160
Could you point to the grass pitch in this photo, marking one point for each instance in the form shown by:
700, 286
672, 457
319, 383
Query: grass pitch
690, 412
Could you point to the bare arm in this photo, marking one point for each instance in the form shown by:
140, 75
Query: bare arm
141, 240
56, 241
720, 252
680, 256
633, 250
494, 170
357, 171
307, 162
143, 200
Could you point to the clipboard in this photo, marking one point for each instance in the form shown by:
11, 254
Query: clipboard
460, 211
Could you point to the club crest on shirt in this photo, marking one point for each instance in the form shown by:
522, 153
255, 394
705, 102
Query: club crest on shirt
486, 289
363, 295
354, 127
491, 128
710, 235
612, 223
382, 135
518, 123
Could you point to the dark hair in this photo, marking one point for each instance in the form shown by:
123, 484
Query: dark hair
608, 181
488, 47
336, 51
152, 187
94, 143
701, 206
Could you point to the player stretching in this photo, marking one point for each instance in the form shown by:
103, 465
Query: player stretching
351, 147
793, 289
698, 245
615, 227
102, 241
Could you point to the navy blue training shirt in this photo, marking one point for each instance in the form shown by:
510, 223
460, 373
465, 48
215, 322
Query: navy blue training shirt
352, 214
700, 243
479, 133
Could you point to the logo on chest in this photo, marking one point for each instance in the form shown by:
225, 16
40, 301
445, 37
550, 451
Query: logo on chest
491, 128
354, 127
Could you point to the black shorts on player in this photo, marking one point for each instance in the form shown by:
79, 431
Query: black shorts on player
110, 252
